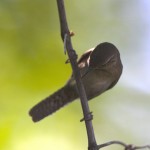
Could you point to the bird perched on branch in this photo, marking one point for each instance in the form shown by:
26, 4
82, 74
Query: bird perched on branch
100, 68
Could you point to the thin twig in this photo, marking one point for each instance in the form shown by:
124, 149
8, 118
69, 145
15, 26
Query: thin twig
126, 146
72, 57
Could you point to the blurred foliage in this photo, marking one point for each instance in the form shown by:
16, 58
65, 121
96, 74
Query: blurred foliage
32, 67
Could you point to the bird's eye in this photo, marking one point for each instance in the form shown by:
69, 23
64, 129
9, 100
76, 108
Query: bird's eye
112, 60
109, 60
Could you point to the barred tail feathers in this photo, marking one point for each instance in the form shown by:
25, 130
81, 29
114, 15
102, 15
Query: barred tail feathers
53, 103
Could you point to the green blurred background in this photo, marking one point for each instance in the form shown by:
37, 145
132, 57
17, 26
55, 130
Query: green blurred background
32, 67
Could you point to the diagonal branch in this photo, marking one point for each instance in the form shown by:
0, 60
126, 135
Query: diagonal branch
65, 35
126, 146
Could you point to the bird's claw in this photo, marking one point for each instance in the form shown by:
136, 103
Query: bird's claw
67, 61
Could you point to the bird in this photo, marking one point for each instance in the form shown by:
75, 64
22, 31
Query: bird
100, 70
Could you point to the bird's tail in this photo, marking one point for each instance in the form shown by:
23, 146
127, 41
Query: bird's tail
53, 103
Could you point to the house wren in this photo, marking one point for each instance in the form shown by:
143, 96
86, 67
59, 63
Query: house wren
100, 68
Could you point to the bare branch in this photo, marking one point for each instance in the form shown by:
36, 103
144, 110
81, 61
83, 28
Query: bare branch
65, 34
126, 146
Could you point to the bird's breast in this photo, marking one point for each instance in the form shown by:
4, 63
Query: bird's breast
96, 82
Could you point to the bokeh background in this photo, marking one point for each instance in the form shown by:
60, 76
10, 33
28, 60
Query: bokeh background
32, 67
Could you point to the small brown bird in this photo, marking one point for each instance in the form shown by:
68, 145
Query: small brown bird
100, 69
